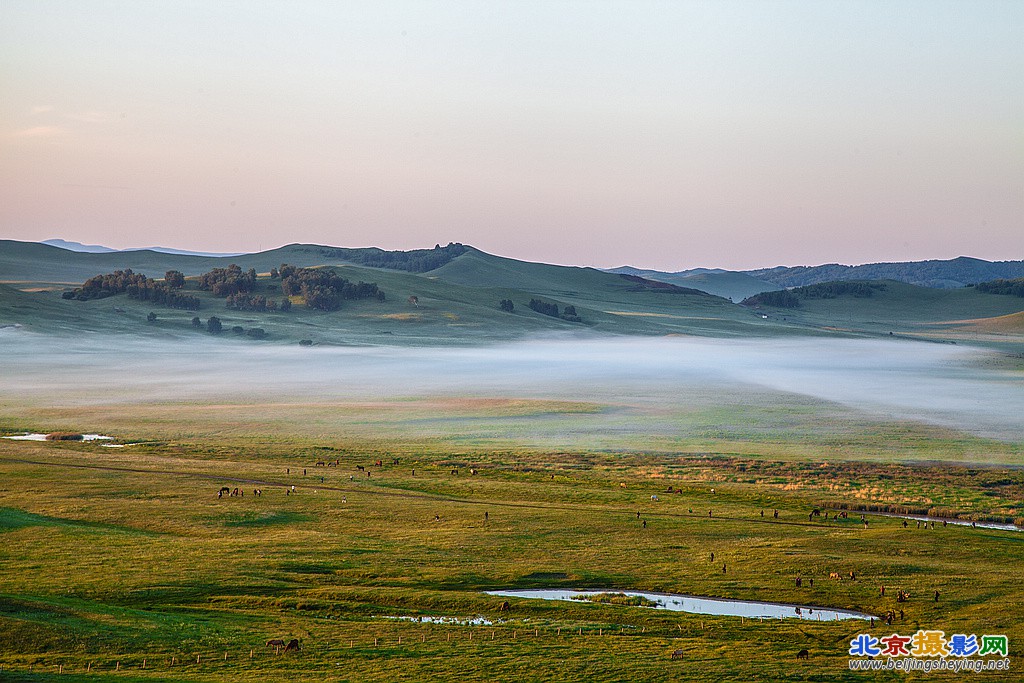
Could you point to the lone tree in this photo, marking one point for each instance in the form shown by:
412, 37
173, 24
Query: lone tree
507, 305
151, 318
214, 325
196, 322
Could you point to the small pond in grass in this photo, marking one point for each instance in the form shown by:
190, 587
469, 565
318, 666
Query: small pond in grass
752, 609
59, 437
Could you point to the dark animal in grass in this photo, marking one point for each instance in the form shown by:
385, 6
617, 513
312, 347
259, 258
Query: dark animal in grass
505, 607
803, 654
223, 490
677, 654
293, 645
275, 643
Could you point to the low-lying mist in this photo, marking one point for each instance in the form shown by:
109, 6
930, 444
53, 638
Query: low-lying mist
936, 384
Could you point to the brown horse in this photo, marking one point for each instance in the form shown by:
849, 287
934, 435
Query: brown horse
275, 643
803, 654
505, 607
678, 654
293, 644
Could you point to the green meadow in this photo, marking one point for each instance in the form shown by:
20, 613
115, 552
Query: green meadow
124, 564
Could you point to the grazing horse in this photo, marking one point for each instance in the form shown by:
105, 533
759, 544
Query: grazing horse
677, 654
293, 644
835, 575
803, 654
275, 643
360, 468
505, 607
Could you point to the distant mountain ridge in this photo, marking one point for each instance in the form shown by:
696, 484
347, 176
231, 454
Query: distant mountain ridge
937, 274
100, 249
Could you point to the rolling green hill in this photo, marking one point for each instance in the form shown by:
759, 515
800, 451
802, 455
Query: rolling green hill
458, 302
728, 284
900, 308
946, 274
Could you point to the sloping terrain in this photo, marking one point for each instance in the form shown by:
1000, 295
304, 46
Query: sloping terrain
946, 274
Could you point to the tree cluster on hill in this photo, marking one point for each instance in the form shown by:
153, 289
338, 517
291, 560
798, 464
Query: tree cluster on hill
227, 281
550, 309
174, 279
790, 298
322, 288
507, 305
414, 261
782, 298
135, 285
830, 290
251, 302
1011, 287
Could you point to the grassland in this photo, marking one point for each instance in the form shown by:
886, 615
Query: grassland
115, 558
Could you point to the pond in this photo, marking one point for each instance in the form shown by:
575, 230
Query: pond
752, 609
948, 520
42, 437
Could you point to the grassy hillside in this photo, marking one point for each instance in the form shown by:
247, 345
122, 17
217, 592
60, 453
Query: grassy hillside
947, 274
29, 263
459, 301
900, 308
724, 283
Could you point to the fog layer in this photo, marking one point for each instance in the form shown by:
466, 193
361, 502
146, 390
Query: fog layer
936, 384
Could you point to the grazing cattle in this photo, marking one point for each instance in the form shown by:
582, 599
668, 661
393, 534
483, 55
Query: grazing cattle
622, 484
293, 645
360, 468
276, 642
224, 489
455, 471
835, 575
505, 607
816, 512
853, 577
677, 654
803, 654
321, 463
379, 463
472, 470
654, 498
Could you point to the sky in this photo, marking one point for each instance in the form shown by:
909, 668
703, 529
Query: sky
666, 135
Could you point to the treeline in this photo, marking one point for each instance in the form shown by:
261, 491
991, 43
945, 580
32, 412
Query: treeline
228, 281
322, 288
830, 290
790, 298
782, 298
550, 309
137, 286
414, 261
1009, 287
255, 302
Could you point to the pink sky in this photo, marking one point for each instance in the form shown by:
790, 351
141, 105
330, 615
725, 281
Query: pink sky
669, 136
